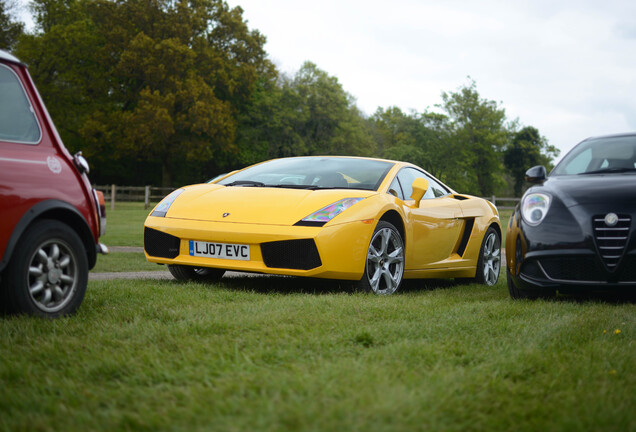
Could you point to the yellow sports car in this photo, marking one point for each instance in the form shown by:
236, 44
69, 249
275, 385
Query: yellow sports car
372, 221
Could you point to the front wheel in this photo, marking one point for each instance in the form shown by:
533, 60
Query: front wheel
198, 274
48, 272
489, 262
384, 266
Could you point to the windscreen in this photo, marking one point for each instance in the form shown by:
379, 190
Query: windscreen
600, 155
313, 173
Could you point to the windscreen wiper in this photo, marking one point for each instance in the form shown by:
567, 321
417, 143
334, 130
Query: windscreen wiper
248, 183
610, 170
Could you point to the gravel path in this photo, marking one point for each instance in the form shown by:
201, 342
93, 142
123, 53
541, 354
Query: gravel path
158, 275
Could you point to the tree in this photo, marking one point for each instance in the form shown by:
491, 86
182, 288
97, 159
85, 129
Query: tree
307, 114
478, 136
161, 82
528, 148
10, 30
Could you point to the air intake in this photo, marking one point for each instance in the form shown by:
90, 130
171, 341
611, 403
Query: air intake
291, 254
160, 244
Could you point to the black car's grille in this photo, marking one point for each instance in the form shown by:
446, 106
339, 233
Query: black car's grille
581, 269
160, 244
611, 240
629, 271
291, 254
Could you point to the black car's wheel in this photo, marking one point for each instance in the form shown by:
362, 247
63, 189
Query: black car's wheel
385, 261
48, 272
489, 262
517, 293
190, 273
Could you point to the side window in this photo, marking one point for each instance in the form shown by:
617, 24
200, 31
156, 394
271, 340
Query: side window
406, 177
395, 189
17, 119
436, 189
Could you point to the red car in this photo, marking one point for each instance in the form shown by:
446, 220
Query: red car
50, 216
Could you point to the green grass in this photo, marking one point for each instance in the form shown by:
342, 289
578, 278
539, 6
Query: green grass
125, 262
125, 224
290, 354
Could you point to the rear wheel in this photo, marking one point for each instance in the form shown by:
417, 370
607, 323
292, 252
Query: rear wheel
48, 272
489, 262
200, 274
385, 261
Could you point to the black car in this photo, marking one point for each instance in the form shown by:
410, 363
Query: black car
573, 230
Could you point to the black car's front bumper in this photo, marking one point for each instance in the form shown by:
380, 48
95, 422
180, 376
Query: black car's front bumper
567, 253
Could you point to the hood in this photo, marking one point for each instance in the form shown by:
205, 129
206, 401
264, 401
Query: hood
593, 188
262, 205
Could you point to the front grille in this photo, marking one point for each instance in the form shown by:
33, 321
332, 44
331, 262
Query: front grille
532, 270
160, 244
579, 269
291, 254
629, 271
611, 241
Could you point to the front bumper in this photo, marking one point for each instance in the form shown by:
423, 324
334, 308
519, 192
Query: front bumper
274, 249
566, 257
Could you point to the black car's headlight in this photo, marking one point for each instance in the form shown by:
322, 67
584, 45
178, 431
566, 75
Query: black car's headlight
534, 208
164, 205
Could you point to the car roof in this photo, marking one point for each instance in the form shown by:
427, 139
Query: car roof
624, 134
8, 57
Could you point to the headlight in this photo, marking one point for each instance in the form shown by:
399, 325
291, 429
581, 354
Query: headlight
534, 208
164, 205
325, 214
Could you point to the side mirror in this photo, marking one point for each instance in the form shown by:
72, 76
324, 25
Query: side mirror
420, 186
81, 163
536, 174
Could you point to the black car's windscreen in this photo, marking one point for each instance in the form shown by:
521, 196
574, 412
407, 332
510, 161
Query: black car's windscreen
313, 173
601, 155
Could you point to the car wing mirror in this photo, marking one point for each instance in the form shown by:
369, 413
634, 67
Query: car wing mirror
536, 174
420, 186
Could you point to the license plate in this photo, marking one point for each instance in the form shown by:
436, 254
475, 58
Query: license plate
219, 250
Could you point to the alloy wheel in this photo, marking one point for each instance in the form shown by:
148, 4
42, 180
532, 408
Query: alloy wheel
385, 261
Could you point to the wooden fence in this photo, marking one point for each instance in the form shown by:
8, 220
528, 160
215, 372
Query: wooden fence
152, 194
510, 203
145, 194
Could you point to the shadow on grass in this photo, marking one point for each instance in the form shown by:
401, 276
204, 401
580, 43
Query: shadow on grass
266, 284
587, 296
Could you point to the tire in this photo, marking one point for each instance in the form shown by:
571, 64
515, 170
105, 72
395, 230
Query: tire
198, 274
517, 293
48, 272
489, 262
384, 266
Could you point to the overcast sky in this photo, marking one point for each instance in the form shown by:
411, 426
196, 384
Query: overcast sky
566, 67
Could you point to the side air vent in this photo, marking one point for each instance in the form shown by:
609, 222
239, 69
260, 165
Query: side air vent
468, 228
611, 239
160, 244
291, 254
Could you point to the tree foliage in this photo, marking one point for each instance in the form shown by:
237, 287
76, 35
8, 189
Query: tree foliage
10, 29
177, 91
477, 135
158, 81
527, 148
307, 114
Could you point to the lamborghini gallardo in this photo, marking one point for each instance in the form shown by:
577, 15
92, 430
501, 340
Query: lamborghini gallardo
371, 221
